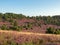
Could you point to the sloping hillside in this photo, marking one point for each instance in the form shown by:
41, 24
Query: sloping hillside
20, 22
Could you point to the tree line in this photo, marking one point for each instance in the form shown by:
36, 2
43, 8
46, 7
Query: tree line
55, 20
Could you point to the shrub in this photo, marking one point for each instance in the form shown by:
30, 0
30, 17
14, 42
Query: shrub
57, 31
53, 31
4, 27
50, 30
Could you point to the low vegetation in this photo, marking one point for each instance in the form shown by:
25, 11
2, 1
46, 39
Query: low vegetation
15, 38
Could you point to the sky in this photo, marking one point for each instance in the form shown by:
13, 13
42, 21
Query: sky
31, 7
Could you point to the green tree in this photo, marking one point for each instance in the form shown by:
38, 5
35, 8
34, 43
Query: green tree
50, 30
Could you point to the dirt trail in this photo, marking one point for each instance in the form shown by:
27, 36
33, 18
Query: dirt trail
28, 33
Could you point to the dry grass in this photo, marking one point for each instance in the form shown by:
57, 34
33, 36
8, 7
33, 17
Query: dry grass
19, 37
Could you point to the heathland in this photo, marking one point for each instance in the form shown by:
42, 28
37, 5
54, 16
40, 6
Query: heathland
18, 29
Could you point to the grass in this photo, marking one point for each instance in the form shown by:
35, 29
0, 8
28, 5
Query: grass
27, 38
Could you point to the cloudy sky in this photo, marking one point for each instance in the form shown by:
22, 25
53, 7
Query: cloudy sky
31, 7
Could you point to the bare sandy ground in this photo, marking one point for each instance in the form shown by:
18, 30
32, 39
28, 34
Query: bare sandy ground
29, 33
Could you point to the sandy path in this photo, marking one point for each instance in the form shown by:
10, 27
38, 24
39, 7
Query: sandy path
28, 33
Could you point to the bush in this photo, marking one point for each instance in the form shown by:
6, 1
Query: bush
57, 31
53, 31
50, 30
4, 27
28, 26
